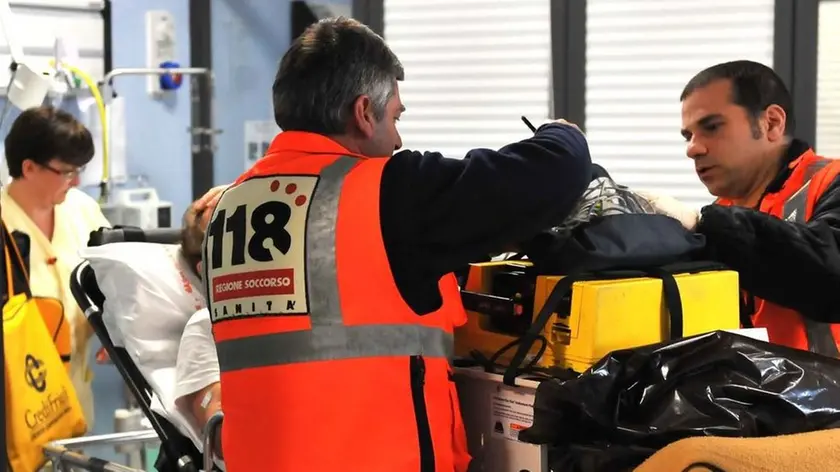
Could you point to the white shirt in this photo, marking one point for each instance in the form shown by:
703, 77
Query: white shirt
197, 365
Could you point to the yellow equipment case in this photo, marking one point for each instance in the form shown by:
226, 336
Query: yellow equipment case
593, 317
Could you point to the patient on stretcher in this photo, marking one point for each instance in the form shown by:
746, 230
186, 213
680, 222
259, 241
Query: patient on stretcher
197, 390
154, 309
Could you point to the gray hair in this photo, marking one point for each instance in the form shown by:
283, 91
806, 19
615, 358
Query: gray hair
327, 68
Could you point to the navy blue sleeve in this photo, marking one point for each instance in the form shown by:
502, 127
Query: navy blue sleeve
439, 214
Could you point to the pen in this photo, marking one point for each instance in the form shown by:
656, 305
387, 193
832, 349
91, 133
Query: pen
528, 124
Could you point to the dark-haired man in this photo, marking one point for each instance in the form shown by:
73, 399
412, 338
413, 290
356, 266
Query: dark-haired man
330, 266
776, 219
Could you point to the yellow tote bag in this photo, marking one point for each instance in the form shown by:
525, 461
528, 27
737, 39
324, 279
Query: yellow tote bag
41, 404
51, 309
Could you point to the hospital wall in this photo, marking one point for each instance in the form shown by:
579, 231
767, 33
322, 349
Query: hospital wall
248, 39
158, 147
157, 142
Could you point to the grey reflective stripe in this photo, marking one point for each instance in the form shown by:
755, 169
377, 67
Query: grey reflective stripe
820, 338
329, 338
794, 208
334, 342
321, 275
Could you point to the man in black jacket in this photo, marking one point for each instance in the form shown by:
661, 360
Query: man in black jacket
776, 219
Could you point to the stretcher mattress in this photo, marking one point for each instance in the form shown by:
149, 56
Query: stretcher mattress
149, 297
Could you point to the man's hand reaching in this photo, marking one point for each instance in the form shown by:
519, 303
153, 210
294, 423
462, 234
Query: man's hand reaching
561, 121
567, 123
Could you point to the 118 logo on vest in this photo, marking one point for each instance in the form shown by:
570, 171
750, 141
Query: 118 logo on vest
255, 253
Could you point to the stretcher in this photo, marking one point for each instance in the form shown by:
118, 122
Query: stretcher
180, 451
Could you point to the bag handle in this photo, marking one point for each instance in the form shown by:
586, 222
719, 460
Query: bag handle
10, 283
10, 242
560, 290
7, 260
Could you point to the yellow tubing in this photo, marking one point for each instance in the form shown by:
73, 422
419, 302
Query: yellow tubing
100, 105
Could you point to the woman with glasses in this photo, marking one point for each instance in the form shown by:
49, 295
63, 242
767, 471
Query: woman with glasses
46, 149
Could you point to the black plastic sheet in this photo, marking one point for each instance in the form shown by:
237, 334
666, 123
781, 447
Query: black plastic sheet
636, 401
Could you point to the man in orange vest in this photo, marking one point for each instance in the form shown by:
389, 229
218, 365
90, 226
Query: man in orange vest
776, 219
329, 266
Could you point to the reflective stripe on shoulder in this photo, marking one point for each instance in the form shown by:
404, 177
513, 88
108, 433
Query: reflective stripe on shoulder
795, 207
330, 338
321, 272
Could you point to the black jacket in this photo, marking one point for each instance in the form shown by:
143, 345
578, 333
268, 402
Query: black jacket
791, 264
440, 214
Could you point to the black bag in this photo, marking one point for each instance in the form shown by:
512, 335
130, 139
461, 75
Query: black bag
634, 402
615, 242
612, 234
612, 228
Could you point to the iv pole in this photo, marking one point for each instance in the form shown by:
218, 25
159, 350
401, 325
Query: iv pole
106, 91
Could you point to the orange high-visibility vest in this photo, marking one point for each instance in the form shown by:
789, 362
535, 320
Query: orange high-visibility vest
811, 175
324, 367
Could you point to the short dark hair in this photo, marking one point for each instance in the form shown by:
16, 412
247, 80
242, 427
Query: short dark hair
326, 69
754, 87
44, 133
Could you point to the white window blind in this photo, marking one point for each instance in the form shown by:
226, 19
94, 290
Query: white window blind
828, 80
639, 56
472, 68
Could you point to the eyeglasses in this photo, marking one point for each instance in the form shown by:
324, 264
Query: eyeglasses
67, 174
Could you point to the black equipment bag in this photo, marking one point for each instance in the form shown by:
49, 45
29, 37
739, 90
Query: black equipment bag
612, 228
612, 234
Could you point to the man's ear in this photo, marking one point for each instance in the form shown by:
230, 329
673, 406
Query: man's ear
363, 116
199, 267
775, 121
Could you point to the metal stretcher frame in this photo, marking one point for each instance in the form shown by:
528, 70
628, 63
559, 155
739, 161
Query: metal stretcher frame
90, 299
64, 457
